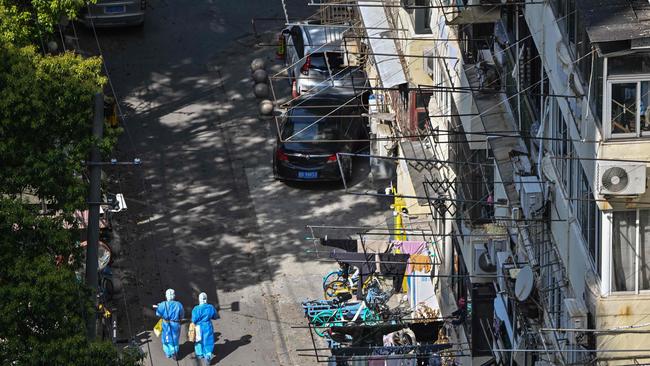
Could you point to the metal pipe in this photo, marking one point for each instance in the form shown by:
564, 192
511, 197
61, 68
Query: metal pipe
94, 197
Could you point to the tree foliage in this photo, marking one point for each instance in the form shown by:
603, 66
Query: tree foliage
44, 306
26, 21
46, 110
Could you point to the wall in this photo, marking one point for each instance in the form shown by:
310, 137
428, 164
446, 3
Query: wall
558, 62
582, 123
622, 311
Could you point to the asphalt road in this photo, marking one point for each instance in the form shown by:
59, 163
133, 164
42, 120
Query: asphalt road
204, 211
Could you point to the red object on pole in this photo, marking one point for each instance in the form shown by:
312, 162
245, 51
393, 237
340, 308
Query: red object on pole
294, 90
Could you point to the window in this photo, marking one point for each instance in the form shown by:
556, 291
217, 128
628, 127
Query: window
629, 64
420, 15
333, 62
567, 14
631, 250
628, 113
623, 108
574, 180
562, 146
419, 117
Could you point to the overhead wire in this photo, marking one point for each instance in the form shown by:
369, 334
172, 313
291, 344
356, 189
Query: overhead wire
522, 92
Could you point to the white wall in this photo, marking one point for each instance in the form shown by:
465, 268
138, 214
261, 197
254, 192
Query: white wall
558, 64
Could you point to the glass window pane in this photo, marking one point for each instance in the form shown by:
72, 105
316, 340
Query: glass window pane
645, 111
623, 250
623, 108
629, 64
644, 249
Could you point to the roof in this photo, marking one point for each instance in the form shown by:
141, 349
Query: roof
386, 57
615, 20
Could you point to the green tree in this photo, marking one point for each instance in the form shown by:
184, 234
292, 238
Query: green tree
45, 135
26, 21
44, 305
46, 109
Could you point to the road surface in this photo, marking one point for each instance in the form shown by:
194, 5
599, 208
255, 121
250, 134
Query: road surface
204, 211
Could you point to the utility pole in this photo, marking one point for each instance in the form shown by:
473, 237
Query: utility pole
94, 199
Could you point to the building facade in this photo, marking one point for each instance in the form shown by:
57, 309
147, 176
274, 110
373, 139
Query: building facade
521, 140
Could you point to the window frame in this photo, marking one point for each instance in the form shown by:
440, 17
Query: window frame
607, 107
637, 256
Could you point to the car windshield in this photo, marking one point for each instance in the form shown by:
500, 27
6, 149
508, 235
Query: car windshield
335, 60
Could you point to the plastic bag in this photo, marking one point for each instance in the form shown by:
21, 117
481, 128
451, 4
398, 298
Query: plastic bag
191, 333
197, 338
157, 329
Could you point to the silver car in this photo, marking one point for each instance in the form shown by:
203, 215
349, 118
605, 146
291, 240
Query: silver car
317, 60
114, 13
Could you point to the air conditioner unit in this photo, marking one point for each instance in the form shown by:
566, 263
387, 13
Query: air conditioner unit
620, 178
428, 61
484, 265
577, 319
531, 195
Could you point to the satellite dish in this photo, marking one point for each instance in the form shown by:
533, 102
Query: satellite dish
524, 283
614, 179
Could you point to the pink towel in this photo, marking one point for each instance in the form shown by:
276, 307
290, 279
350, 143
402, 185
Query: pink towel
411, 247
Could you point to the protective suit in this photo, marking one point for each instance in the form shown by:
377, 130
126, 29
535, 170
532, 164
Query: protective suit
171, 312
202, 316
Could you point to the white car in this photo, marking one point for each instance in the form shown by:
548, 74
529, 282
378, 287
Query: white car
316, 60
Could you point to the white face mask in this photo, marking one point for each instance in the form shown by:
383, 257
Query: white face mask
203, 298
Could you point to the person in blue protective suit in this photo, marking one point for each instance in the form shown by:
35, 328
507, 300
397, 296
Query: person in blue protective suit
171, 312
202, 316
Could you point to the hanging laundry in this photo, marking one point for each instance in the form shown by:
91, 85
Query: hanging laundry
420, 263
349, 245
410, 247
394, 265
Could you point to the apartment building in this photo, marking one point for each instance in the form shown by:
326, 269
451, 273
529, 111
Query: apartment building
521, 134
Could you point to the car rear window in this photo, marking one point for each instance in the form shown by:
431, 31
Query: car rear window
319, 62
326, 129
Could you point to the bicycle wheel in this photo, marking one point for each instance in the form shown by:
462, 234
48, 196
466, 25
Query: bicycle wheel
370, 317
334, 288
369, 282
332, 276
322, 321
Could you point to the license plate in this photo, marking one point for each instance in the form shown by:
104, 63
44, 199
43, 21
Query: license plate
307, 175
115, 9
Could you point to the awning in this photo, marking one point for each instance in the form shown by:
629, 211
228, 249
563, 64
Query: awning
377, 27
615, 20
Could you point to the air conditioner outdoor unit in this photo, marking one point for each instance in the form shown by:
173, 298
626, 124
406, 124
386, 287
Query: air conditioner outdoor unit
428, 61
577, 319
484, 264
620, 178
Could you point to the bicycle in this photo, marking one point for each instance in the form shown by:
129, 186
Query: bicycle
357, 312
341, 282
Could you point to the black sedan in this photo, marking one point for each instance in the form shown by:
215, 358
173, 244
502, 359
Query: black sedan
311, 134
